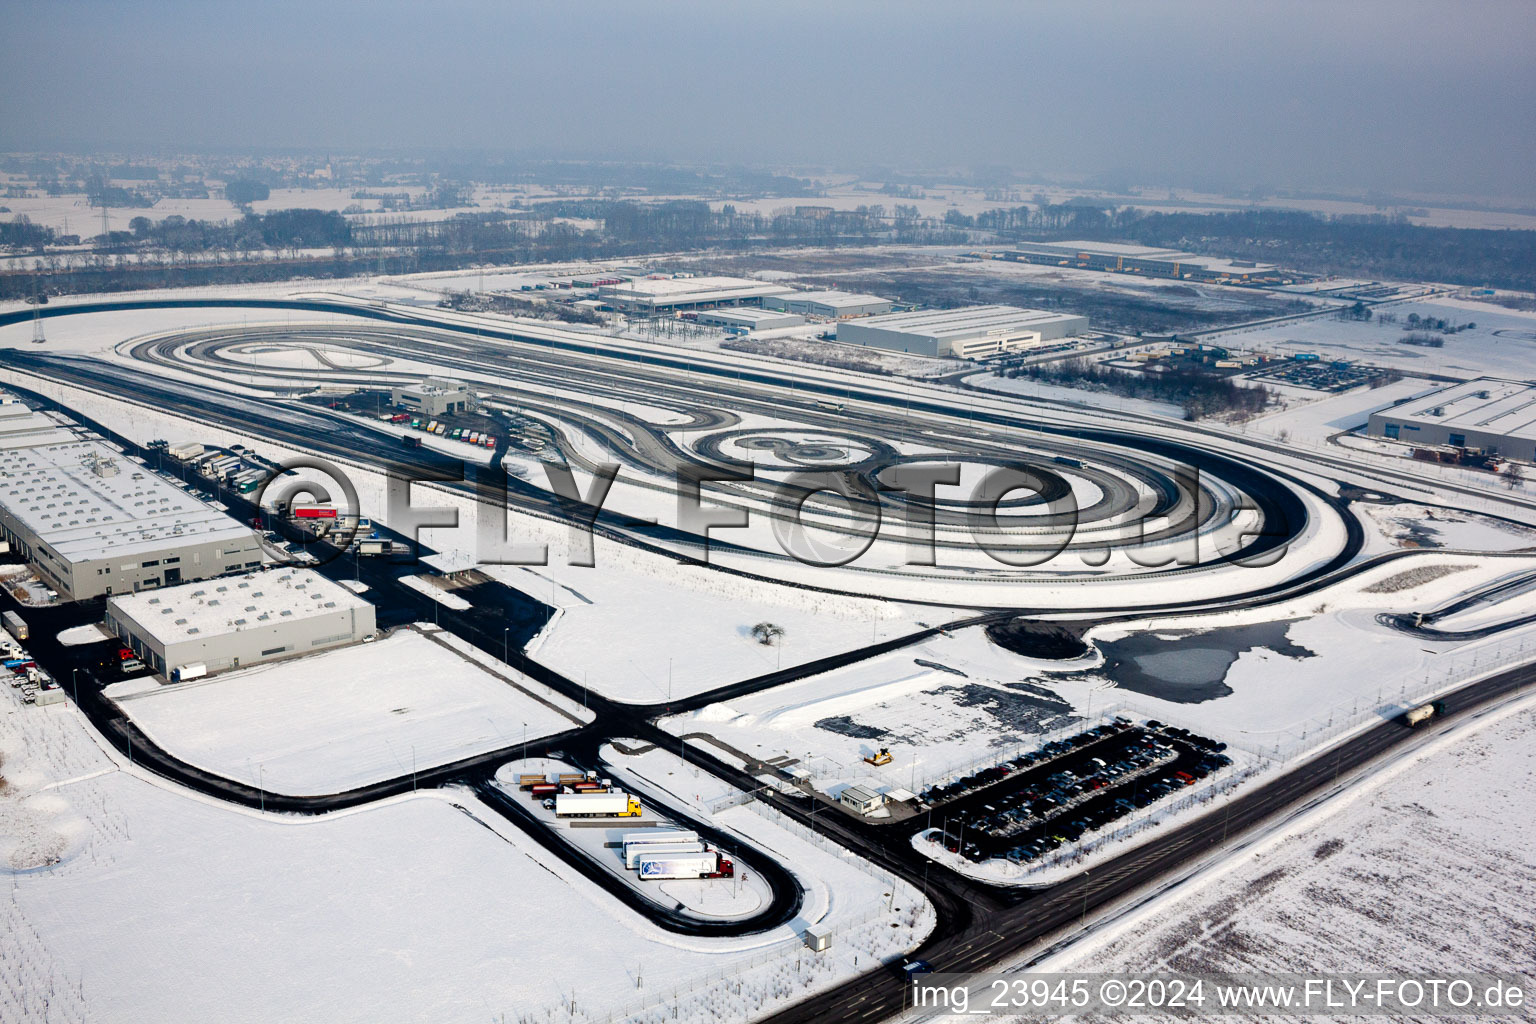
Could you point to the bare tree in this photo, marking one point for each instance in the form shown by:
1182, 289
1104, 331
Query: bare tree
766, 633
1514, 476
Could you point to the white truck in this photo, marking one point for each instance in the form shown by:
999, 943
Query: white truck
16, 626
633, 854
185, 451
708, 864
617, 804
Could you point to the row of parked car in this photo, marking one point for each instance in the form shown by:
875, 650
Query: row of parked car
949, 791
1086, 794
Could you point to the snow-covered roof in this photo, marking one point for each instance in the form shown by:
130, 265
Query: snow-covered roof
227, 605
1490, 405
21, 427
85, 500
686, 290
965, 322
831, 298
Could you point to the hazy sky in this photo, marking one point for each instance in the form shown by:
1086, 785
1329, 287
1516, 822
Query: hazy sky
1386, 95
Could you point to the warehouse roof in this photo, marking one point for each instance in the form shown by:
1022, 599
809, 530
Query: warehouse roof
831, 298
1210, 264
1488, 404
21, 427
230, 604
965, 322
683, 290
85, 500
754, 315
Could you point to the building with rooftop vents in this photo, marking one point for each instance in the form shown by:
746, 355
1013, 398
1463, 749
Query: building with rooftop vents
199, 628
1491, 413
92, 521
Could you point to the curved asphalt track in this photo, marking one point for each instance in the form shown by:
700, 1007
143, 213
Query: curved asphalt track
979, 925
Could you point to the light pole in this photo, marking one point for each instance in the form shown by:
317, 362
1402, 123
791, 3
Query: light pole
504, 648
261, 786
525, 741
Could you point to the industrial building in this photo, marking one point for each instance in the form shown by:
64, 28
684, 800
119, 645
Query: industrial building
971, 332
93, 522
23, 427
197, 628
435, 396
651, 296
1491, 413
832, 305
745, 318
1140, 259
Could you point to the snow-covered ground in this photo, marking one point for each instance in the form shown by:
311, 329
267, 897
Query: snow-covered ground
1316, 420
1424, 866
443, 911
346, 718
1271, 681
1502, 344
1078, 396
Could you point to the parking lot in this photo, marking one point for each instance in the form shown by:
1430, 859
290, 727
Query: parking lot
1319, 376
1025, 808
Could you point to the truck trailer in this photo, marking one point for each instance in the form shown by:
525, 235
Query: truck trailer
617, 804
658, 835
634, 854
185, 451
709, 864
16, 626
1424, 712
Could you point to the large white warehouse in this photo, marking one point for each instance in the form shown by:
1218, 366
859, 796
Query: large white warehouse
970, 332
242, 620
671, 294
93, 522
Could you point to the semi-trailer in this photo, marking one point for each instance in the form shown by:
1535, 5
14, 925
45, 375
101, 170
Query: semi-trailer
543, 789
185, 451
1424, 712
526, 782
634, 854
658, 835
16, 626
617, 804
709, 864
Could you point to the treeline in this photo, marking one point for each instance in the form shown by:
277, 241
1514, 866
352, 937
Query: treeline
1198, 394
1373, 247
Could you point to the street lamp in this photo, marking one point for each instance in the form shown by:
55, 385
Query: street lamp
504, 649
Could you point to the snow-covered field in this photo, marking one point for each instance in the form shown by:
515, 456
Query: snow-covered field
346, 718
1502, 344
1314, 421
1424, 867
1078, 396
1270, 681
442, 911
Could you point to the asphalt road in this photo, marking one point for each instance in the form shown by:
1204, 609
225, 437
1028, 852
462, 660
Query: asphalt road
1007, 932
979, 926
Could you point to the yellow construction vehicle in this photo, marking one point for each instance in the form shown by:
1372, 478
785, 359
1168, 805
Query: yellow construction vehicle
884, 757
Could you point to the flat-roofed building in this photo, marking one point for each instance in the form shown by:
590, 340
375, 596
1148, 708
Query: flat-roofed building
435, 396
24, 427
1491, 413
833, 305
1142, 259
241, 620
747, 318
673, 294
970, 332
92, 521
